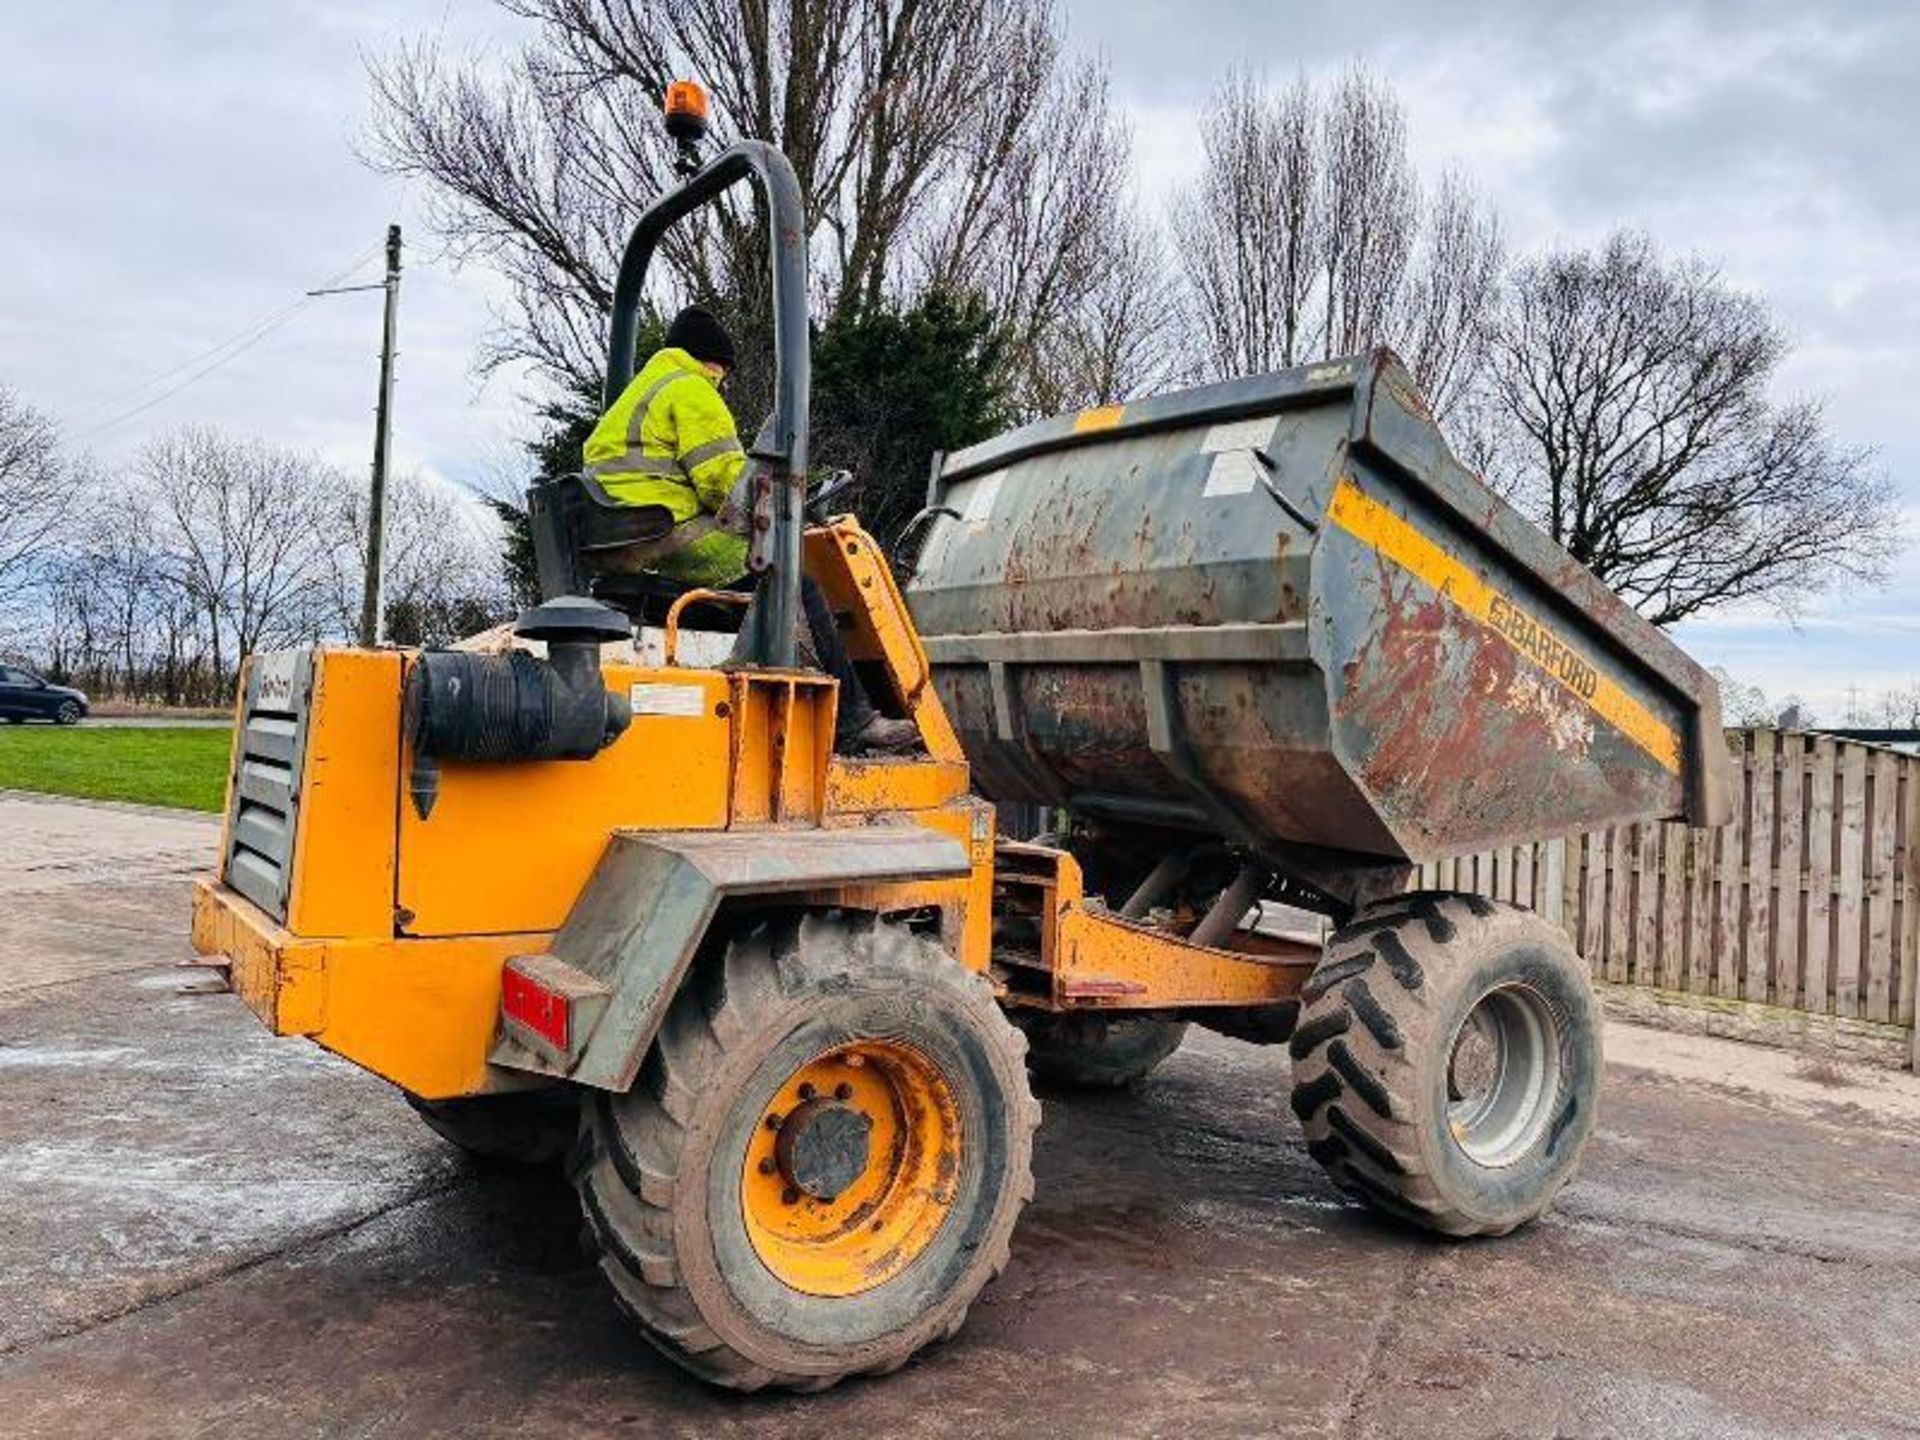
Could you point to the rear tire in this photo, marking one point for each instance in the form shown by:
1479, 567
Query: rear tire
1447, 1062
693, 1190
1097, 1052
519, 1127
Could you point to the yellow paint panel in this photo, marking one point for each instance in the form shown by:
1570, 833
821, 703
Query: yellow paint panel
965, 903
858, 582
422, 1013
1106, 962
782, 736
1101, 962
508, 848
344, 862
1104, 417
1377, 527
858, 787
884, 1219
278, 977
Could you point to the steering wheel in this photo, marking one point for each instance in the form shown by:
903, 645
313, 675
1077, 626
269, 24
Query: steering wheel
822, 496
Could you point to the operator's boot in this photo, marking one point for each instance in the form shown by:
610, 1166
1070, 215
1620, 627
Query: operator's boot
881, 736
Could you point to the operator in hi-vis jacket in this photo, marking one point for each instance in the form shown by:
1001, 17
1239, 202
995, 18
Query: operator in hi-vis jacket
670, 442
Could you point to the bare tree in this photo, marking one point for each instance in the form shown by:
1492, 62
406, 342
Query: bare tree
36, 489
1041, 221
1749, 705
167, 572
1124, 338
1307, 234
112, 586
245, 531
1452, 293
1897, 708
1371, 204
443, 578
1251, 227
1635, 425
540, 167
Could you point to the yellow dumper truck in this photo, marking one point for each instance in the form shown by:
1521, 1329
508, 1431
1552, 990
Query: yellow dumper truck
1262, 641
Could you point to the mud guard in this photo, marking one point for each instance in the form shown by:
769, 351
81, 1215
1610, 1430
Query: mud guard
635, 929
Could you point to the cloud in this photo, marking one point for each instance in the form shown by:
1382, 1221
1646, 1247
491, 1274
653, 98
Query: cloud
207, 185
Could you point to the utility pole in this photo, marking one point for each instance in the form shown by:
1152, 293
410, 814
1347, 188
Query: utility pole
370, 606
370, 616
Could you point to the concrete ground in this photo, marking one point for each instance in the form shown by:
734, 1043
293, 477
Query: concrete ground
211, 1232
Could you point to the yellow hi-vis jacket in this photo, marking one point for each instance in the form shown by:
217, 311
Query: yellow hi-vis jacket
670, 440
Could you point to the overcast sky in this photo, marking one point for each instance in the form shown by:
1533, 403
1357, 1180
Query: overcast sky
175, 171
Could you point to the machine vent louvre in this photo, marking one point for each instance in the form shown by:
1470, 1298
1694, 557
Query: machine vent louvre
265, 794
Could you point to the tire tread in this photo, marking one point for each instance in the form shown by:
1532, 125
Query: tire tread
1367, 1009
626, 1157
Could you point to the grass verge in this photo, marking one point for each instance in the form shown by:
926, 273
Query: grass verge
184, 768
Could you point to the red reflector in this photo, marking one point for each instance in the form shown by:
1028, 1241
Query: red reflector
543, 1011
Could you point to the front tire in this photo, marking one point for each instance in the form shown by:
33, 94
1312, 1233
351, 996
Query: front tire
1447, 1062
69, 713
822, 1160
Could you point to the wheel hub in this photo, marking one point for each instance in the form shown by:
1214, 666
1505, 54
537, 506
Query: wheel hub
1476, 1059
823, 1147
853, 1167
1503, 1075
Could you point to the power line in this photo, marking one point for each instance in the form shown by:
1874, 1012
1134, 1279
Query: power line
275, 317
213, 358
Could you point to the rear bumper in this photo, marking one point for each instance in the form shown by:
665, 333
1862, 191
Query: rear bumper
281, 977
422, 1013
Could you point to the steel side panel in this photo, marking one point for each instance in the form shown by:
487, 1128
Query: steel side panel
274, 702
652, 898
343, 869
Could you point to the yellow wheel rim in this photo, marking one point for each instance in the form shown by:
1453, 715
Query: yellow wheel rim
852, 1168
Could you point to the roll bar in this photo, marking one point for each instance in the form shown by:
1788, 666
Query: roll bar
780, 489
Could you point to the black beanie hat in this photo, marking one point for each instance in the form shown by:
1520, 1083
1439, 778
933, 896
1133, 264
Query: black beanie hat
695, 331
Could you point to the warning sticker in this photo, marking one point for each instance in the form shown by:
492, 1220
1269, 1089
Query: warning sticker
979, 505
655, 698
1234, 472
1255, 434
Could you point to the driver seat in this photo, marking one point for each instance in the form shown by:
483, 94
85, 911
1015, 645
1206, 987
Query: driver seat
576, 523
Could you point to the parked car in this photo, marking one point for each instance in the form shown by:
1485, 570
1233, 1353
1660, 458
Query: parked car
25, 696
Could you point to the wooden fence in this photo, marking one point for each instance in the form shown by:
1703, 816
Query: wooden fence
1809, 900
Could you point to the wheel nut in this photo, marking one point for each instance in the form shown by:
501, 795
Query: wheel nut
773, 1121
790, 1196
806, 1090
767, 1167
843, 1091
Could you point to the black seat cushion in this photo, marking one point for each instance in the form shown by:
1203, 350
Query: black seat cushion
578, 529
